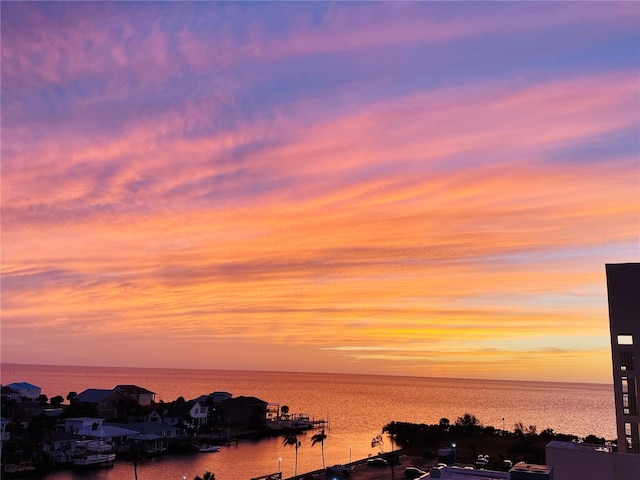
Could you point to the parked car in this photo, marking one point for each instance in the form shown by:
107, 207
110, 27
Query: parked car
377, 462
342, 469
413, 472
482, 461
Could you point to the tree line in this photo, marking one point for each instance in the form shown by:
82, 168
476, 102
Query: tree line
523, 443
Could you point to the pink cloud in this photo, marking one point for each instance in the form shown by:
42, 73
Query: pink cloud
392, 217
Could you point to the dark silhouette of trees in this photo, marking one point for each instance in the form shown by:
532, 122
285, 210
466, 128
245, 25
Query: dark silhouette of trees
522, 443
468, 424
444, 424
595, 440
320, 438
57, 400
293, 440
467, 420
391, 429
378, 441
205, 476
415, 435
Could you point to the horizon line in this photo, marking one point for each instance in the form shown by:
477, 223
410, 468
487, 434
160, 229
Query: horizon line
3, 363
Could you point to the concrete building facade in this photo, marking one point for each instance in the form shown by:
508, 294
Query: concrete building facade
623, 289
572, 461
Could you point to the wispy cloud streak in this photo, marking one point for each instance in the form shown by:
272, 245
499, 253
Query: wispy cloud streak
416, 188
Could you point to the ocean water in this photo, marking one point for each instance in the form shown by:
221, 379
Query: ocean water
357, 407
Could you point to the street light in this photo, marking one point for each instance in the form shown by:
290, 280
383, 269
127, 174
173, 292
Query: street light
349, 453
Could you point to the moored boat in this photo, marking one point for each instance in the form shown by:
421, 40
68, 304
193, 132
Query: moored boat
92, 454
95, 460
209, 448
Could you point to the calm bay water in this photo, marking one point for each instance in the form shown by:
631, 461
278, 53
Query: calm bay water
358, 406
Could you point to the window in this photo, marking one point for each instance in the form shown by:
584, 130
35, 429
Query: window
628, 404
625, 385
627, 429
625, 339
627, 361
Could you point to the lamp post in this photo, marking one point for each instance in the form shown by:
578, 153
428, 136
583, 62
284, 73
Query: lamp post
279, 462
349, 453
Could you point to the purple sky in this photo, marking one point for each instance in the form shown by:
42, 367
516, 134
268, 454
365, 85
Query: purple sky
421, 188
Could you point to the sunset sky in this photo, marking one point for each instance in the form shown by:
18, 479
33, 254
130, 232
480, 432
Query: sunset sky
414, 188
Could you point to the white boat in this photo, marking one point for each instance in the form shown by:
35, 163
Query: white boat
92, 454
95, 460
209, 448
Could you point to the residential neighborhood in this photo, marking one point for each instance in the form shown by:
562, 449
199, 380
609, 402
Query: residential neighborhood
97, 425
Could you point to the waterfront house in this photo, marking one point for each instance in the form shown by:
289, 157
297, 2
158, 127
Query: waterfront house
141, 396
59, 441
154, 437
96, 429
25, 390
74, 425
164, 430
156, 415
244, 411
189, 414
104, 403
9, 394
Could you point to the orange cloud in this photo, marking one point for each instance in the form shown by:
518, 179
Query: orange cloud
440, 230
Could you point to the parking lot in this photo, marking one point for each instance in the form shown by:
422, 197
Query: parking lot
364, 471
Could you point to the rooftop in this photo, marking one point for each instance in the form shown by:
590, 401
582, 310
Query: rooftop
95, 395
133, 390
586, 447
22, 385
454, 473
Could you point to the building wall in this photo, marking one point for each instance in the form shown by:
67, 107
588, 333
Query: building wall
199, 413
626, 467
145, 399
241, 413
570, 463
623, 288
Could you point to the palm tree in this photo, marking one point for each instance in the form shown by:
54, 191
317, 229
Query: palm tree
293, 440
393, 459
205, 476
319, 438
135, 454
